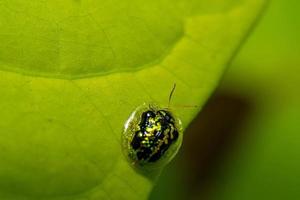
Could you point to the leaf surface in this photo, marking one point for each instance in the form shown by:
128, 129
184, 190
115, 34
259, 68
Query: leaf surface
71, 73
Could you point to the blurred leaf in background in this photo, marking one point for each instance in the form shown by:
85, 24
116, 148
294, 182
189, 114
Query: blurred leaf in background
246, 142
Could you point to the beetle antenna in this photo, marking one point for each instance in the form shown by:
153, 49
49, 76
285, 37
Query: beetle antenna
171, 94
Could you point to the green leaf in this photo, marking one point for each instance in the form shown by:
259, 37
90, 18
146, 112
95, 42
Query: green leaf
73, 71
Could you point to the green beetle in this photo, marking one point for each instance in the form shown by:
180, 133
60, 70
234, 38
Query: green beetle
152, 135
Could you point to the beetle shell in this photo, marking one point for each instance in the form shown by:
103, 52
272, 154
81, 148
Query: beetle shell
152, 135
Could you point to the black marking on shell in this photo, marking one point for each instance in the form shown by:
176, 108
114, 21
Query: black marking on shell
156, 132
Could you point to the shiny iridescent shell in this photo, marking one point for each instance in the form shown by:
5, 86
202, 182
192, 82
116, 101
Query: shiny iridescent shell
152, 136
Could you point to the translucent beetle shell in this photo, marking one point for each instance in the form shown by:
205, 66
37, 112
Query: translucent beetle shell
152, 136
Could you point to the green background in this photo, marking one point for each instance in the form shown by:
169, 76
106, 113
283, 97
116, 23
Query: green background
72, 71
